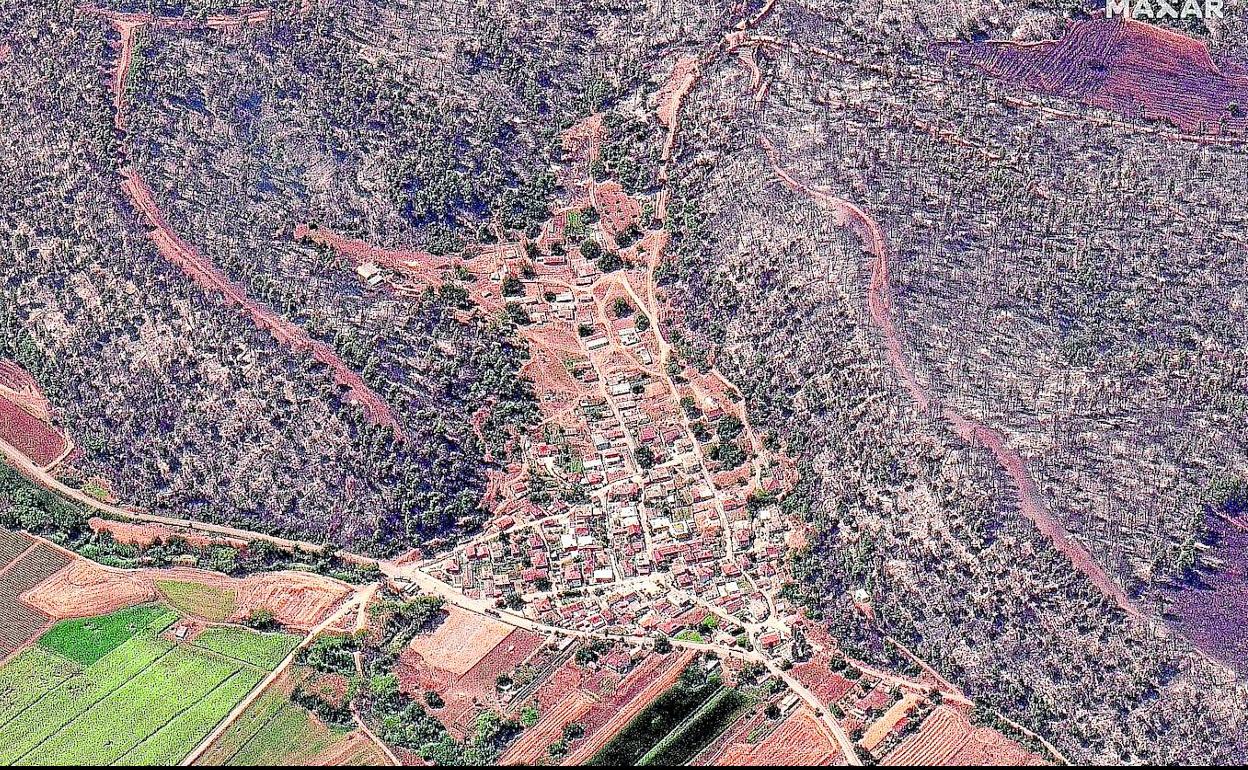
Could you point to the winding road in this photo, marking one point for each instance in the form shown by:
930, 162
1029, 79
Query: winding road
1030, 501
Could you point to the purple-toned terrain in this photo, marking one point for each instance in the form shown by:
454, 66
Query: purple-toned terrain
1210, 608
1134, 69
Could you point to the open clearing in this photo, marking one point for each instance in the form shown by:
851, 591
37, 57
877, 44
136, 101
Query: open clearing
117, 689
459, 641
297, 600
197, 599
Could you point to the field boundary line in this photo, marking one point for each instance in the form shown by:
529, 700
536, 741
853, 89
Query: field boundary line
246, 702
89, 706
177, 716
242, 747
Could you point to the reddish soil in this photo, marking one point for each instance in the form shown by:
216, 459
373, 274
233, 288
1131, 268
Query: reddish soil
465, 693
354, 749
358, 252
24, 571
29, 435
20, 387
1131, 68
735, 738
127, 23
827, 685
617, 208
144, 534
204, 272
635, 692
799, 740
559, 700
948, 738
677, 85
458, 642
217, 21
85, 588
297, 599
581, 145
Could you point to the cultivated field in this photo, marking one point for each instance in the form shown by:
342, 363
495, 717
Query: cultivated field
275, 731
119, 689
459, 641
29, 435
297, 599
480, 650
798, 740
202, 601
21, 569
947, 737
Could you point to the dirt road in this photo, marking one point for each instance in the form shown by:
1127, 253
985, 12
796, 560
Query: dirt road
1030, 502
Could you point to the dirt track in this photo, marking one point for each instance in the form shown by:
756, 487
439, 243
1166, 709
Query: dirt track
1030, 503
188, 259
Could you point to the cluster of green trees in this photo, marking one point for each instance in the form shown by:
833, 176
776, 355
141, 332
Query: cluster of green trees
25, 506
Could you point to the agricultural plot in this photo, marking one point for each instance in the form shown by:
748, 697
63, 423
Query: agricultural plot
207, 602
28, 434
115, 690
25, 678
947, 737
261, 650
645, 739
699, 729
19, 621
797, 740
275, 731
12, 544
86, 640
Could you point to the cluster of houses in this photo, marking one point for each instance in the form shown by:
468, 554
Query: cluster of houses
618, 518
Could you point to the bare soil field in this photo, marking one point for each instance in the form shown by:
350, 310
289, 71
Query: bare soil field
459, 641
947, 737
143, 534
618, 209
28, 434
84, 588
799, 740
297, 599
1130, 67
19, 620
19, 387
353, 750
638, 690
422, 667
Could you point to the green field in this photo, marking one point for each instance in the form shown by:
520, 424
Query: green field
87, 640
29, 675
648, 731
263, 650
147, 700
215, 604
275, 731
693, 734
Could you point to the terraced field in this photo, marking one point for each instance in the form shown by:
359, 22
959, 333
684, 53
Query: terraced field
116, 689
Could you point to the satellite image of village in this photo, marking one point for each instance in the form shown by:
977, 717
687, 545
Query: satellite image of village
623, 382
